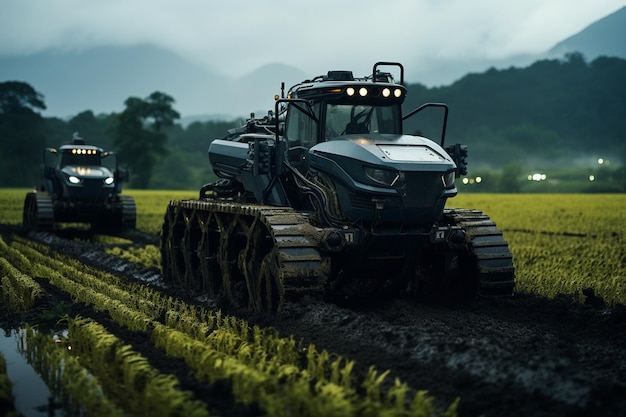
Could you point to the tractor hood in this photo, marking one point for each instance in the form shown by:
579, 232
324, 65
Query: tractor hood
401, 153
391, 178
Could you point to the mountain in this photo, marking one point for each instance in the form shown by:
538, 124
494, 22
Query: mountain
101, 79
602, 38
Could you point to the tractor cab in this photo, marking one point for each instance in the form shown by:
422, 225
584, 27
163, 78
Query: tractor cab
76, 172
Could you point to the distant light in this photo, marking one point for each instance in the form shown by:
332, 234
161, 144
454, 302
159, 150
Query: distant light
470, 180
592, 177
537, 177
600, 161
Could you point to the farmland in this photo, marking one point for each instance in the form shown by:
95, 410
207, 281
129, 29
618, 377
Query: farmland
557, 346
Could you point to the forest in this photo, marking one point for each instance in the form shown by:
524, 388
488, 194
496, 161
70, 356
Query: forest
565, 117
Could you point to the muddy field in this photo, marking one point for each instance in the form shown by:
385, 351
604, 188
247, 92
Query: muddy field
524, 356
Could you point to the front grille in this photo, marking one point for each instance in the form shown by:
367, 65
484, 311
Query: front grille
366, 201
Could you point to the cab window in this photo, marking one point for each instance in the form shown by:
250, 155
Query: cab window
347, 119
300, 128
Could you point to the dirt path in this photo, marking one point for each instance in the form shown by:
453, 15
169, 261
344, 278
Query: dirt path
525, 356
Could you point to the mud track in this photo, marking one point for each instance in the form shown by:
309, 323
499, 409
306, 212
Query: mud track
525, 356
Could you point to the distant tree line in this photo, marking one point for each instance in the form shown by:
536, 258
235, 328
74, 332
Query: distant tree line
158, 152
551, 112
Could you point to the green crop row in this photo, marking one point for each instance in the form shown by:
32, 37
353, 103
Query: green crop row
12, 203
149, 256
562, 244
552, 265
151, 205
67, 379
19, 291
96, 374
589, 215
260, 366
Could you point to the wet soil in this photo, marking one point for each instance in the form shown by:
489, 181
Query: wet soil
523, 356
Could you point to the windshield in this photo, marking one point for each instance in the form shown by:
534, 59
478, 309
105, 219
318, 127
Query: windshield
346, 119
79, 159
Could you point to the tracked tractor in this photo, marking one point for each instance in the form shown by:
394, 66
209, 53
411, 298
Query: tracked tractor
80, 183
327, 195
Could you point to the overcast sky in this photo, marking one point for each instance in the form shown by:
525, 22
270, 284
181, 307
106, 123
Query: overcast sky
238, 36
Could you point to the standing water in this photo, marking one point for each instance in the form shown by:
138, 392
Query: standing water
32, 396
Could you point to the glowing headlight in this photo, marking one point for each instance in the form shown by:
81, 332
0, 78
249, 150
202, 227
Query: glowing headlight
448, 179
386, 92
362, 91
382, 176
108, 180
397, 92
350, 91
73, 179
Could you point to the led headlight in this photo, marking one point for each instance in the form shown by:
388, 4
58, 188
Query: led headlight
108, 180
382, 176
73, 179
448, 179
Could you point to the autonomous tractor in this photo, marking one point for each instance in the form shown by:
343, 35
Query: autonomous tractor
80, 183
332, 195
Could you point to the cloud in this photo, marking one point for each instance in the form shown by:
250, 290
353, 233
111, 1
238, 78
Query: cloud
238, 36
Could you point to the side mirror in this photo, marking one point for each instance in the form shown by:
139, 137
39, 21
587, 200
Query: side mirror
122, 175
48, 172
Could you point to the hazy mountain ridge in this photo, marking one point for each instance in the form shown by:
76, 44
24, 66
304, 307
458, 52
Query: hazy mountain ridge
101, 79
604, 37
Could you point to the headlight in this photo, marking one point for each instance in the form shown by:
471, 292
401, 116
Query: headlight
382, 176
73, 179
448, 179
108, 180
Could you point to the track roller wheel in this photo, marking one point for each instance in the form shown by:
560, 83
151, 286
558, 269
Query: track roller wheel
260, 268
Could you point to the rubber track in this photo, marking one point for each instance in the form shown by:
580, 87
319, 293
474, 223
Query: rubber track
41, 211
129, 212
301, 268
493, 258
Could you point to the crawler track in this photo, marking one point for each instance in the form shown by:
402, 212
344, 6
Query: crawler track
38, 211
494, 261
253, 255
